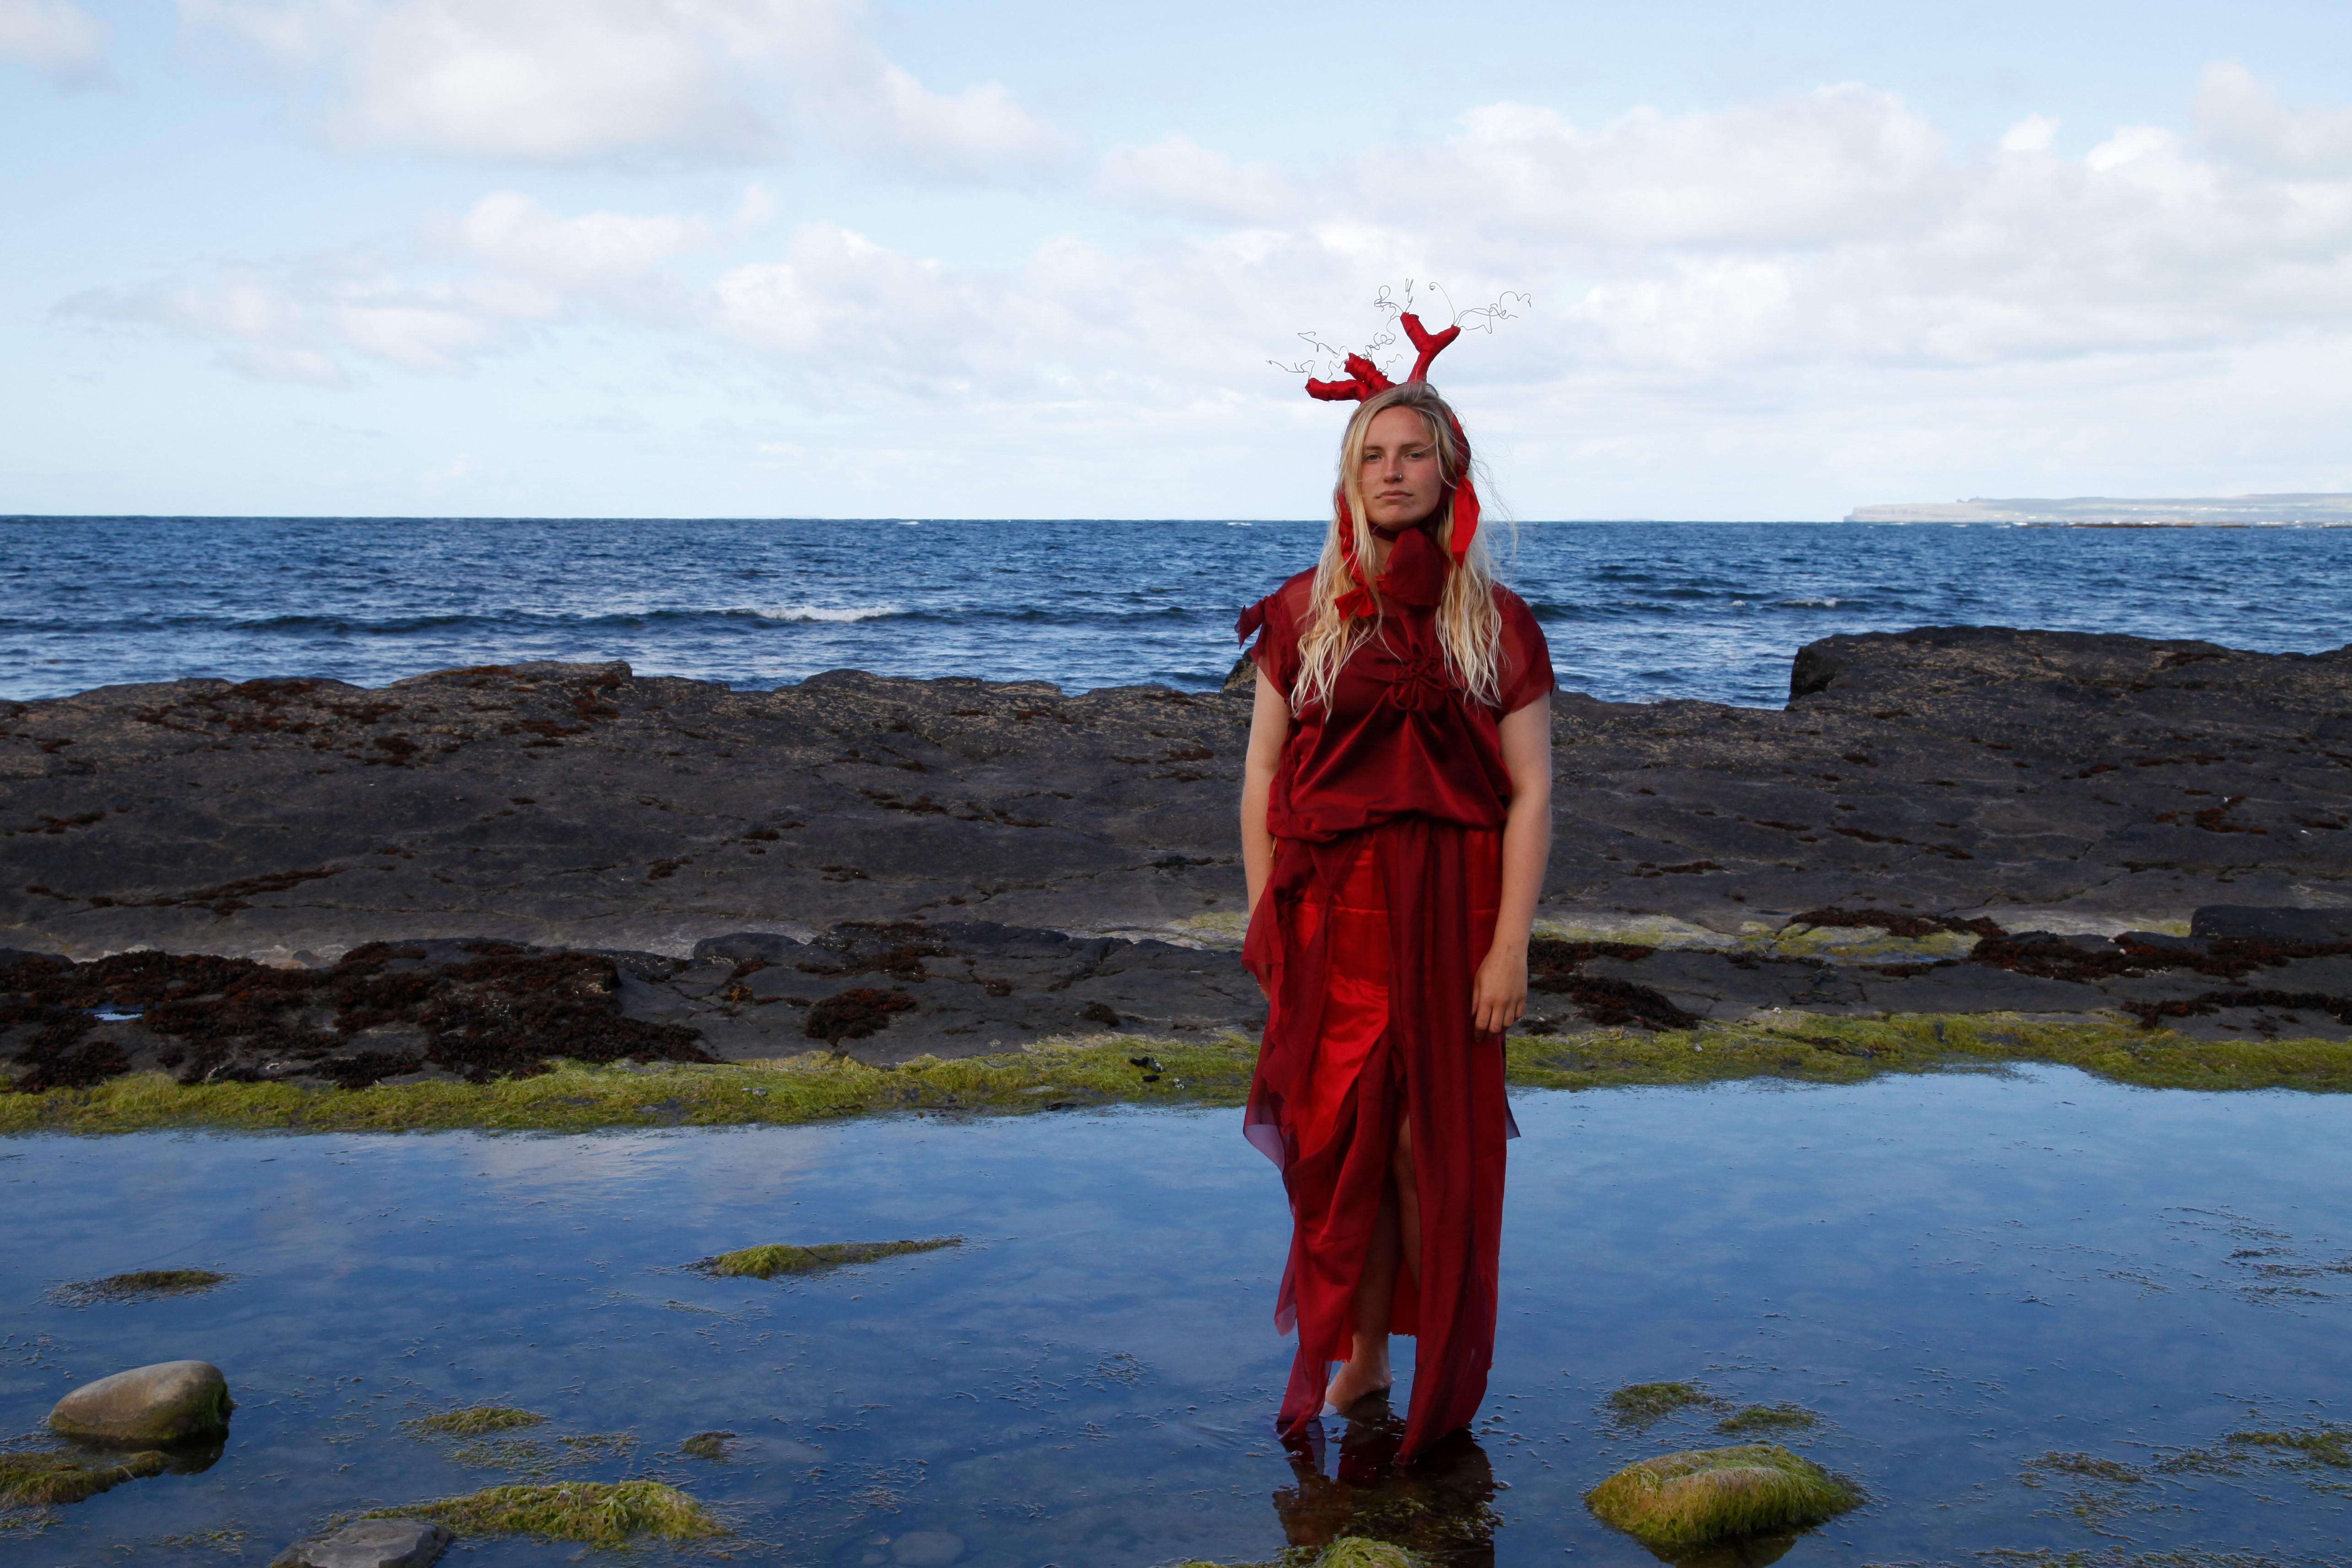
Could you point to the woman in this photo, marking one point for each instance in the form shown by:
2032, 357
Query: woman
1395, 824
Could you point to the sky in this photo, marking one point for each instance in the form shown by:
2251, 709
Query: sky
812, 258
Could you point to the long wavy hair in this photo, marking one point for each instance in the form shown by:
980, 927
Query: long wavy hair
1467, 622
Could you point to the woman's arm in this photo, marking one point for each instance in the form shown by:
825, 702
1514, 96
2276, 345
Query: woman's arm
1499, 993
1269, 728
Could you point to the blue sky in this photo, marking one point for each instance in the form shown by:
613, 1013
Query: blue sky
810, 258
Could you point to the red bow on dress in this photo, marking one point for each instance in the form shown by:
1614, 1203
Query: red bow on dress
1364, 380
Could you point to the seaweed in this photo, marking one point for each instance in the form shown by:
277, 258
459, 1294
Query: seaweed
765, 1262
602, 1514
499, 1011
473, 1420
1644, 1405
46, 1479
142, 1285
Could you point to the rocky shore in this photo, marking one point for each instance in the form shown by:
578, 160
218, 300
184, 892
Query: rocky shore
474, 869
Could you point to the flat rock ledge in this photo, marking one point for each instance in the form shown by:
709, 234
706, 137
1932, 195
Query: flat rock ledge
455, 874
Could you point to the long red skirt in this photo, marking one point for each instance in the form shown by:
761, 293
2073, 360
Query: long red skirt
1366, 946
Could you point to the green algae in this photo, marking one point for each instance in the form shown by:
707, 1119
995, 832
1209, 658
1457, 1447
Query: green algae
2328, 1445
1787, 1045
473, 1420
602, 1514
1767, 1418
1642, 1404
1715, 1494
142, 1285
709, 1446
765, 1262
46, 1479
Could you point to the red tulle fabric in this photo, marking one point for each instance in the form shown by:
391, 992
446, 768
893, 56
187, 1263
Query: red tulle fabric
1387, 811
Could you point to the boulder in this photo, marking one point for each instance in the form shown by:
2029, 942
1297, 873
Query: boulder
171, 1401
370, 1543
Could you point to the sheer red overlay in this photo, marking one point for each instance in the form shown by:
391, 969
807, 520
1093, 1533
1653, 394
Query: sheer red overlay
1387, 811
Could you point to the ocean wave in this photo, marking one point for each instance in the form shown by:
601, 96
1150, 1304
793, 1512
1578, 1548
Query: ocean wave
1807, 603
831, 612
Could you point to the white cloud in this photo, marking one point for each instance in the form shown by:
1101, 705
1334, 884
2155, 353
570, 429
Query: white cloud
2242, 117
2035, 133
570, 81
1824, 263
1177, 174
52, 35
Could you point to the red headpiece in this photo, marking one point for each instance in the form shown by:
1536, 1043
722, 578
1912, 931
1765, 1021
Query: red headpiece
1364, 381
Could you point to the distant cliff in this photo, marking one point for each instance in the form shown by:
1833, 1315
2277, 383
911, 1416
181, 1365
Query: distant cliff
2081, 511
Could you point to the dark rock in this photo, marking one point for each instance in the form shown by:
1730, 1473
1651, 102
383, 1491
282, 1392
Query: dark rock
2061, 782
370, 1543
2249, 924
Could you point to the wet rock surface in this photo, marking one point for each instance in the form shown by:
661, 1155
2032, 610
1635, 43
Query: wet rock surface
370, 1543
550, 854
170, 1402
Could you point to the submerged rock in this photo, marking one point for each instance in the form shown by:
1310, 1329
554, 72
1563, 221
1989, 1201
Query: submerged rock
170, 1402
1705, 1495
370, 1543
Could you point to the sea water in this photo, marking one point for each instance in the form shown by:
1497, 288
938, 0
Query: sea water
1633, 611
2029, 1310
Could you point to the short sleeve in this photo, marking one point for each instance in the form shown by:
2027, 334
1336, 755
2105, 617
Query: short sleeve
1524, 658
1276, 619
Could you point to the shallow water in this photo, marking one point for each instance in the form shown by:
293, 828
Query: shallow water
1960, 1274
1635, 611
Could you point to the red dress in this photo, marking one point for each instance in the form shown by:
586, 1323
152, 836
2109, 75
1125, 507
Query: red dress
1387, 811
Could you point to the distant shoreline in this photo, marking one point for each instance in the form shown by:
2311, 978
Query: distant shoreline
2302, 510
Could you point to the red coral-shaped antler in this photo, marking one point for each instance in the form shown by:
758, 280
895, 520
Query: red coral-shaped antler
1430, 344
1365, 378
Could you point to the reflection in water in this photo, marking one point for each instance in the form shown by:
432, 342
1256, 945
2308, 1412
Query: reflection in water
1441, 1505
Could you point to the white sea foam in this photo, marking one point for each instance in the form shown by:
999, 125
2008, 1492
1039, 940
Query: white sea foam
1811, 604
831, 612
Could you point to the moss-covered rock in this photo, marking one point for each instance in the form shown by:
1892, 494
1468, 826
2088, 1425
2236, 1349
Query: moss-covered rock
1705, 1495
765, 1262
602, 1514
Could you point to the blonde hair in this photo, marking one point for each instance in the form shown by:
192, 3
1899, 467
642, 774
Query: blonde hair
1468, 625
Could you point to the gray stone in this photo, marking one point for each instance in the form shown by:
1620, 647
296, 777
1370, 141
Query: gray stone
170, 1402
370, 1543
926, 1549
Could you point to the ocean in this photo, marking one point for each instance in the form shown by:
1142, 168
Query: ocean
1635, 611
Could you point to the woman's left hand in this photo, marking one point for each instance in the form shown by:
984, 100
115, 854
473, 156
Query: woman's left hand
1498, 997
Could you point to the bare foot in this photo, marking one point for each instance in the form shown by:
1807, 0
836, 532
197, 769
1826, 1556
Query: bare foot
1353, 1382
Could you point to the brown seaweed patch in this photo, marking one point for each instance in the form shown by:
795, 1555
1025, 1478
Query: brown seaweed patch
500, 1010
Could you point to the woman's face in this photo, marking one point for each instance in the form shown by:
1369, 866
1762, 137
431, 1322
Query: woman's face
1401, 477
